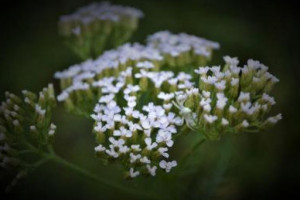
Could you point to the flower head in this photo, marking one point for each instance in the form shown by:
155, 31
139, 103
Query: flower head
25, 123
233, 102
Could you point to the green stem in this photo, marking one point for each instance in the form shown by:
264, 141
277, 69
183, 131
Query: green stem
190, 152
51, 156
25, 152
40, 162
98, 179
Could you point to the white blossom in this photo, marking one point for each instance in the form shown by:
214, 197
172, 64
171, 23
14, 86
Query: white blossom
167, 165
149, 144
151, 170
133, 173
210, 118
100, 148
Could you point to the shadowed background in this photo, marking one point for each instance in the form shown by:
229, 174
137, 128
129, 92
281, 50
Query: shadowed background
248, 166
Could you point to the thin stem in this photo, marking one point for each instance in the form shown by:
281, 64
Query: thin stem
51, 150
190, 152
55, 158
25, 152
38, 163
98, 179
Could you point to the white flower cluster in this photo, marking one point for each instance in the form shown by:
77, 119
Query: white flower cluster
133, 129
81, 80
22, 121
182, 48
101, 11
141, 96
93, 28
230, 99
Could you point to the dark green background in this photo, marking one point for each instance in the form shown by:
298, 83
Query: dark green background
248, 166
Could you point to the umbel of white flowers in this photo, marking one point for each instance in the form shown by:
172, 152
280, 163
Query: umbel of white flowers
99, 26
25, 122
231, 99
134, 129
82, 80
145, 95
134, 85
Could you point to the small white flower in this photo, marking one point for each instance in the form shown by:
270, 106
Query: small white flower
209, 80
147, 132
122, 132
32, 128
39, 110
167, 165
219, 75
232, 109
192, 91
100, 148
235, 70
268, 99
131, 88
52, 129
106, 98
173, 81
253, 63
142, 74
16, 122
136, 147
133, 126
167, 106
51, 132
117, 143
149, 144
165, 96
145, 65
164, 136
215, 69
234, 81
244, 96
163, 151
134, 158
100, 128
145, 160
133, 173
145, 124
205, 104
231, 60
124, 149
201, 70
111, 152
131, 103
206, 94
222, 100
151, 170
245, 123
63, 96
275, 119
224, 122
210, 118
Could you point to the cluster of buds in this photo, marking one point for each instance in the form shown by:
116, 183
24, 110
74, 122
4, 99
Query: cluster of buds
99, 26
231, 99
25, 123
79, 83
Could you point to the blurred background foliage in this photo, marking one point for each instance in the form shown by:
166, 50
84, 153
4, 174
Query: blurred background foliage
248, 166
